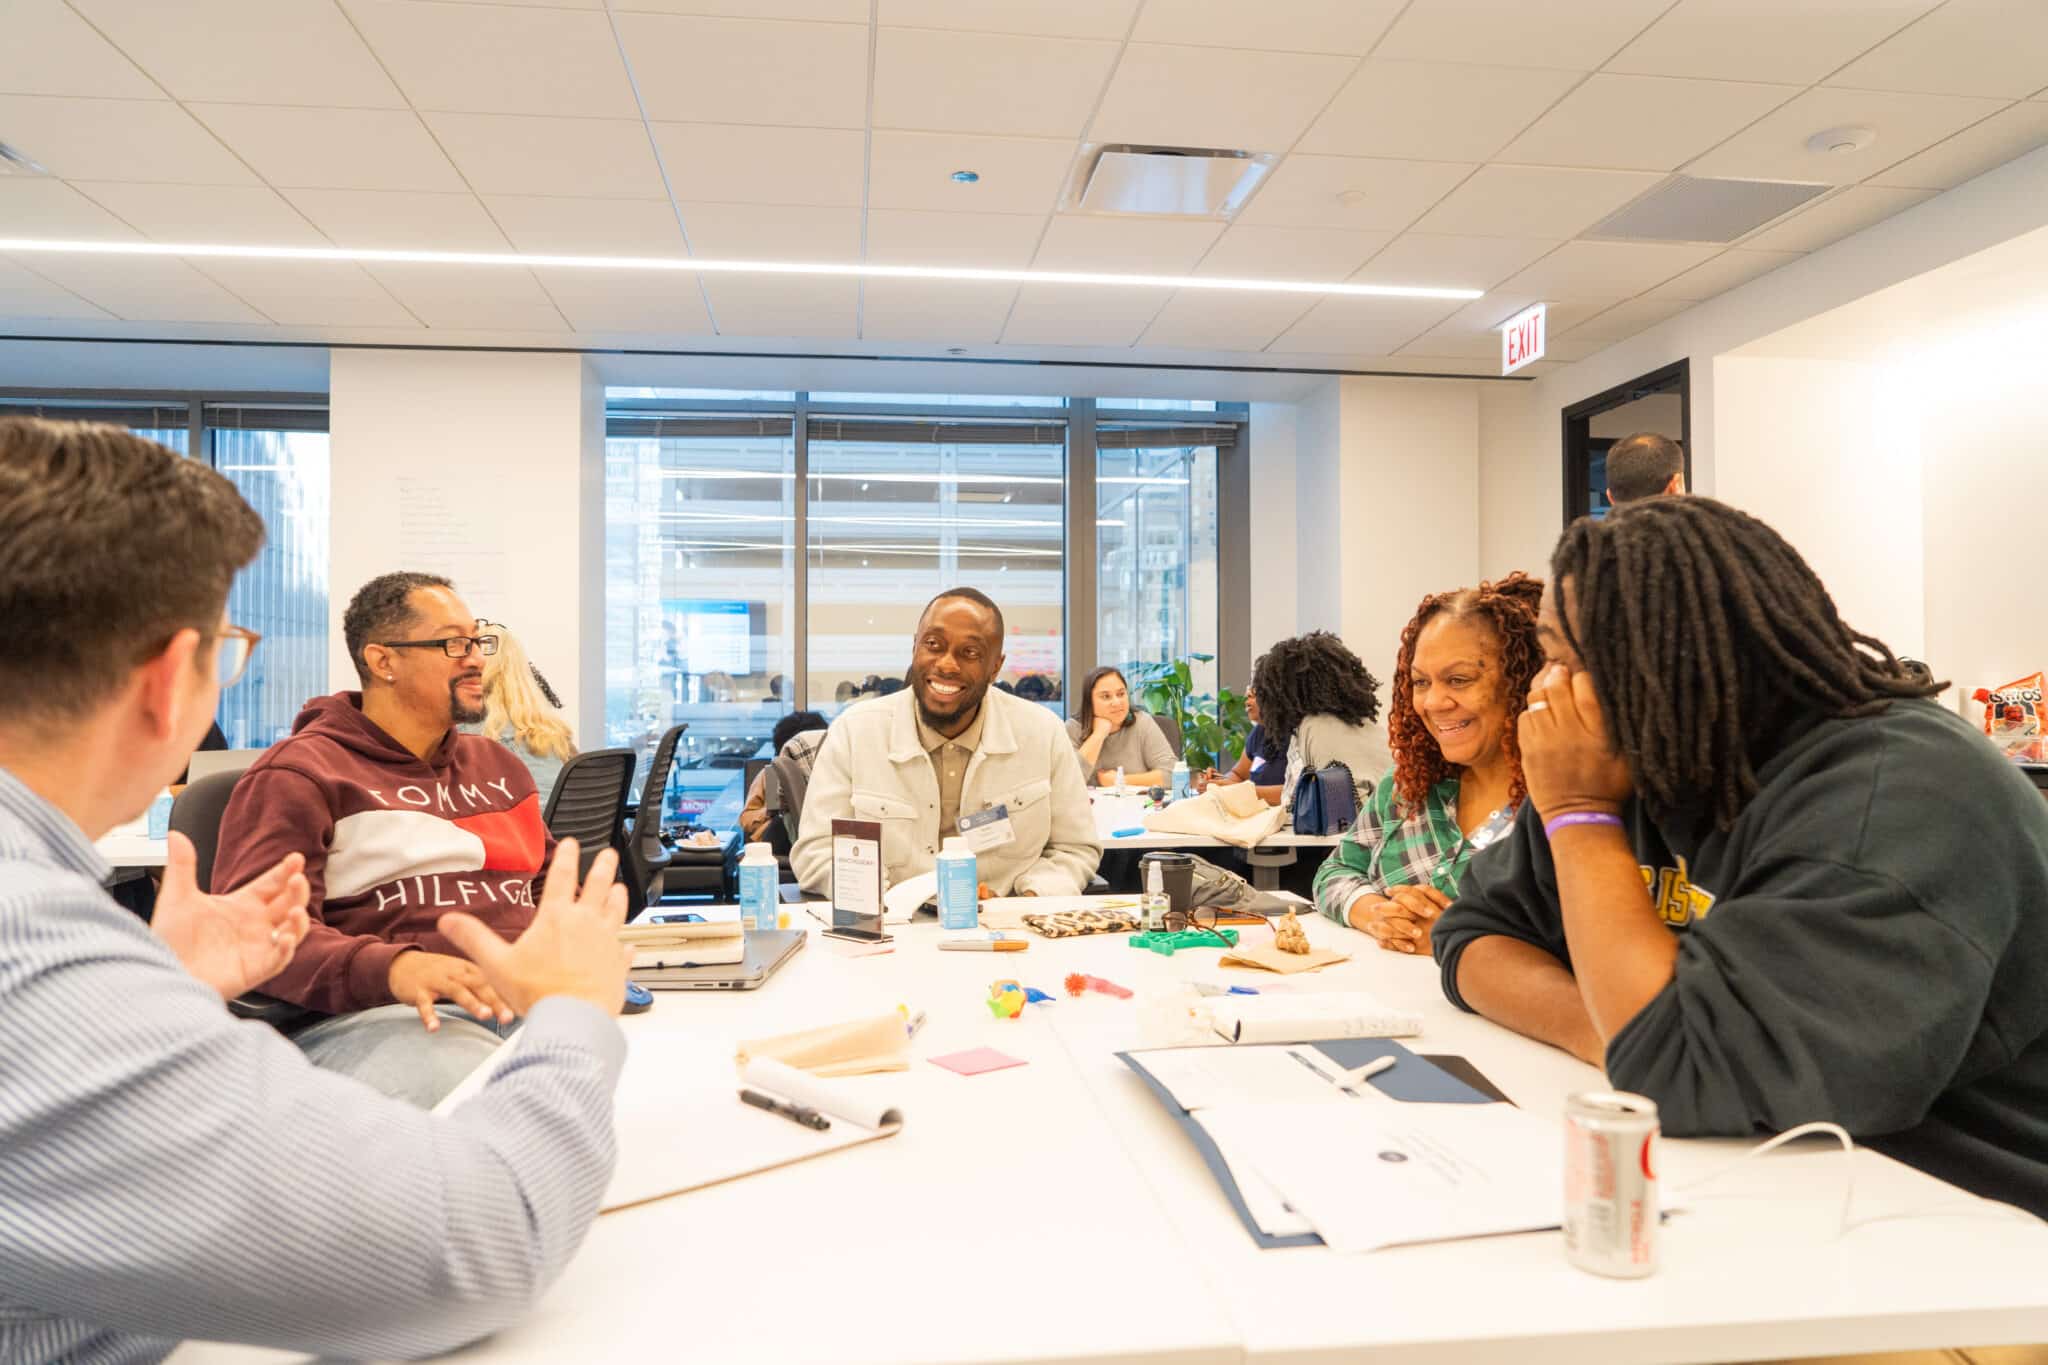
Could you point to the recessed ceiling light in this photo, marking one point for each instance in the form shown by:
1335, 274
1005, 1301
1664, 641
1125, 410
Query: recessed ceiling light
699, 266
967, 177
1840, 141
14, 161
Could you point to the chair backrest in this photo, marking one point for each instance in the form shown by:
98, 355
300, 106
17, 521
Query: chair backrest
588, 803
196, 812
647, 820
1174, 737
782, 791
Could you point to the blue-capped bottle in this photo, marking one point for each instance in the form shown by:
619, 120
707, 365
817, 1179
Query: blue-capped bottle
1180, 779
959, 886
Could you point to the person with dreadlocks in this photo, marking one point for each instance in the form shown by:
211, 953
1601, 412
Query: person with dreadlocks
520, 713
1318, 704
1466, 662
1760, 877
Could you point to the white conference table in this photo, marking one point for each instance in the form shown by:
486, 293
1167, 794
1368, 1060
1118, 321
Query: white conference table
1054, 1212
1272, 853
124, 850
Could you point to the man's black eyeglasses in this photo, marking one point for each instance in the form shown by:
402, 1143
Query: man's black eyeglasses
454, 646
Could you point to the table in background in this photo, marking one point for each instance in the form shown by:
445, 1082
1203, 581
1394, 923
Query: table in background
1266, 860
125, 851
1055, 1212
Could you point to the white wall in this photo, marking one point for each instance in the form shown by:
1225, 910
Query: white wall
1319, 557
1275, 455
476, 466
1520, 482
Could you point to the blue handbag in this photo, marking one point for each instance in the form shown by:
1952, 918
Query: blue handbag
1325, 800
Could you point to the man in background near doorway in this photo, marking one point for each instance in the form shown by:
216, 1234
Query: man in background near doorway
949, 745
1644, 465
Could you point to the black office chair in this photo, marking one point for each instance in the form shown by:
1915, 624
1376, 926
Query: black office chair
588, 803
196, 813
643, 854
1174, 737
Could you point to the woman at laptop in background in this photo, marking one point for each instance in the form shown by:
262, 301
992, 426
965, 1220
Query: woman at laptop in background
1462, 677
520, 713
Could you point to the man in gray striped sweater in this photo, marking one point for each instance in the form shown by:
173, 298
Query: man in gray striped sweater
165, 1171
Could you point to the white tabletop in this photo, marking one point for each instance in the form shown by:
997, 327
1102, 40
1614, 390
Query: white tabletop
1054, 1211
123, 849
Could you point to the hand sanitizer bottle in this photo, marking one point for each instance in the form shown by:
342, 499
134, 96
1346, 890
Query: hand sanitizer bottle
1153, 906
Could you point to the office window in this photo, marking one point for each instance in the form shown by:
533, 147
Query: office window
1155, 537
700, 575
277, 458
899, 511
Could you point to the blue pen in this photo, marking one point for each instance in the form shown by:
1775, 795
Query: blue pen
1126, 833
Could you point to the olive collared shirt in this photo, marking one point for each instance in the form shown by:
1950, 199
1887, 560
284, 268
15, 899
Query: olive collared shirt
949, 763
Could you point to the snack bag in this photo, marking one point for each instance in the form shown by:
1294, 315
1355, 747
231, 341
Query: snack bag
2013, 719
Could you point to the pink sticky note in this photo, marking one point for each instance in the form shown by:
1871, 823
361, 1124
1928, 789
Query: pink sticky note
976, 1060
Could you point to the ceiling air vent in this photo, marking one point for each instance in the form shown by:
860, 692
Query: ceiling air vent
1173, 182
1685, 209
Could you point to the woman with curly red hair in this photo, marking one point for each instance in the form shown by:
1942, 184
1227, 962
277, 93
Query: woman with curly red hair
1463, 675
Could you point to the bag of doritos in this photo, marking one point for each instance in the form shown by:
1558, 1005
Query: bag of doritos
2013, 720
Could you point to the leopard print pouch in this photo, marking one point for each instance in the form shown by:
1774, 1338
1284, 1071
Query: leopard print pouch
1073, 923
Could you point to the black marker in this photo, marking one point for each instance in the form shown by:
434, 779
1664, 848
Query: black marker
796, 1113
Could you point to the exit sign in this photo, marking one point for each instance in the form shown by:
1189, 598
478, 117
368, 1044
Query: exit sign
1521, 339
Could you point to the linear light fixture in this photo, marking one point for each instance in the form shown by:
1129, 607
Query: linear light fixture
693, 265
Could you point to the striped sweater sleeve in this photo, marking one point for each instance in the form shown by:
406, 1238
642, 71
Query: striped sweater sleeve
168, 1172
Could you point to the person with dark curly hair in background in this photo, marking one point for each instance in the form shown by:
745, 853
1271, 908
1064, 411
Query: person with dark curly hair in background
1319, 704
1461, 680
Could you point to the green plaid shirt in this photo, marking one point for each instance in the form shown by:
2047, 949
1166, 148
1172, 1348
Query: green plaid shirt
1383, 850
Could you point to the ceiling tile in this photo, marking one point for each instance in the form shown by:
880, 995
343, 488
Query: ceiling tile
1080, 315
697, 70
1349, 27
474, 298
1127, 245
820, 11
524, 154
993, 241
24, 294
1304, 191
1606, 271
51, 51
86, 139
941, 312
312, 293
1363, 326
1624, 320
1249, 251
1211, 320
1449, 342
1981, 147
1574, 37
772, 232
1432, 111
628, 301
1042, 18
1215, 97
400, 220
1721, 274
243, 214
352, 149
749, 165
498, 60
1452, 262
249, 51
1719, 39
1967, 47
767, 306
587, 227
1534, 201
52, 209
1836, 217
1650, 123
1774, 148
141, 289
1018, 174
986, 83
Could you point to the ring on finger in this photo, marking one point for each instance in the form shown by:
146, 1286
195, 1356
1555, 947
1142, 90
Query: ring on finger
1537, 706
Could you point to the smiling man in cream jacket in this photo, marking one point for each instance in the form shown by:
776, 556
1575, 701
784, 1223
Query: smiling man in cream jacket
947, 747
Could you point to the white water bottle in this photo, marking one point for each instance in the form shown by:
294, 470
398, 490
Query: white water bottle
1120, 788
959, 886
1180, 779
758, 904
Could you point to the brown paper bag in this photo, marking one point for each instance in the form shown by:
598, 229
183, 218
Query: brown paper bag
1268, 958
855, 1048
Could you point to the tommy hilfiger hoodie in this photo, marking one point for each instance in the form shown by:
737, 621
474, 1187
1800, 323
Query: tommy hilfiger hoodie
391, 844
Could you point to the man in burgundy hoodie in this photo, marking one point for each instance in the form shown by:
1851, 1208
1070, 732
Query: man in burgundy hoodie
401, 817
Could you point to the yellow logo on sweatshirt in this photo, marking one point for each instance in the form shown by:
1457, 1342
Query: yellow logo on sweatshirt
1679, 902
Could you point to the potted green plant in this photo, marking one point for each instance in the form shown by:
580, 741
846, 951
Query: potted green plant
1212, 727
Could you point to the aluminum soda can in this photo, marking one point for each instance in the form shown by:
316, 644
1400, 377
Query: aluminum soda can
1610, 1183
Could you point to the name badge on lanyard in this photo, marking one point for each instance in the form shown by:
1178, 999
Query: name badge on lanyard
987, 829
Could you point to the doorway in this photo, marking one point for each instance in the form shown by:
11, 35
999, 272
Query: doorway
1660, 402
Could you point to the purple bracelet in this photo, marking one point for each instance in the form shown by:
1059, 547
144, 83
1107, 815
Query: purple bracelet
1584, 817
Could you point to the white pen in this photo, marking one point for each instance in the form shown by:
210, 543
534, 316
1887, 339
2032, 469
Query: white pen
1366, 1072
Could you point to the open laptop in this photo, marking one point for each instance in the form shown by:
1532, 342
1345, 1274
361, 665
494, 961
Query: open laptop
767, 950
